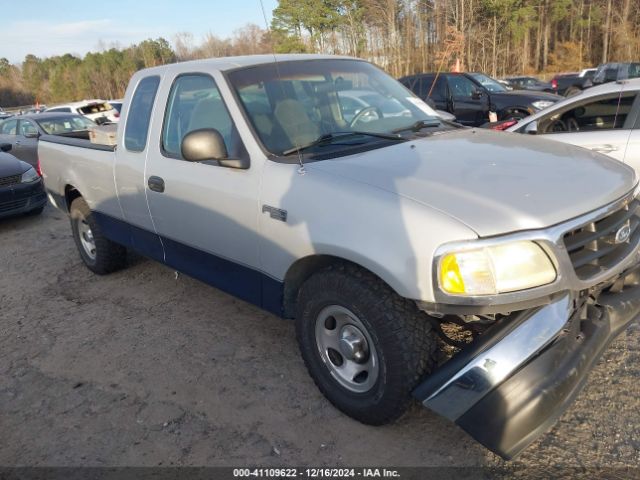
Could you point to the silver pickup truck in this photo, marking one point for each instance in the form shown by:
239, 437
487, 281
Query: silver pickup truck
482, 274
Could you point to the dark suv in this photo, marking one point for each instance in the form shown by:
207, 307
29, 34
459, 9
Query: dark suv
471, 96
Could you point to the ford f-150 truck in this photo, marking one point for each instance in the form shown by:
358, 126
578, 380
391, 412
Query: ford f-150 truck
482, 274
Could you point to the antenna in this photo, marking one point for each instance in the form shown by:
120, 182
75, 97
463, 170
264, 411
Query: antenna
301, 169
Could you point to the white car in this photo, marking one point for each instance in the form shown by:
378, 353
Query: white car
352, 102
97, 110
605, 119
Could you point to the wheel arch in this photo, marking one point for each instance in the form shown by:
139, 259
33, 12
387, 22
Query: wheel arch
70, 194
302, 269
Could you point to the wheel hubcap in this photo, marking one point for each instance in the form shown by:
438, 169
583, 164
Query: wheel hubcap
346, 349
86, 238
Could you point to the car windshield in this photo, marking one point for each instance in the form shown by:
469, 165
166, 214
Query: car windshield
67, 124
489, 83
292, 104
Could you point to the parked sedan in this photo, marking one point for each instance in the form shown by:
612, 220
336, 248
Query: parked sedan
21, 188
22, 132
471, 97
605, 119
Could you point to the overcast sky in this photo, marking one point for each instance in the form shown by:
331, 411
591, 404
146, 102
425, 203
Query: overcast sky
47, 28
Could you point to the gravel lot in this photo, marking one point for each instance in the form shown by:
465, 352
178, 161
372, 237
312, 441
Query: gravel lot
144, 367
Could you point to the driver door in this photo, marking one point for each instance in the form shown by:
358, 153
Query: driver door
602, 124
470, 103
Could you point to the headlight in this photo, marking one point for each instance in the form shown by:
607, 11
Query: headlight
540, 104
29, 176
496, 269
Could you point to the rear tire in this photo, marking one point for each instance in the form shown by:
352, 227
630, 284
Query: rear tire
343, 306
98, 253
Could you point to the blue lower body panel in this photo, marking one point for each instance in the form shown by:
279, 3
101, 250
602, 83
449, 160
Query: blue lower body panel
236, 279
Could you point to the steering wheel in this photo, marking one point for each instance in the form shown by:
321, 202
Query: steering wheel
365, 111
572, 125
557, 125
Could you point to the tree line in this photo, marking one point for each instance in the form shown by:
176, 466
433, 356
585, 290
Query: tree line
499, 37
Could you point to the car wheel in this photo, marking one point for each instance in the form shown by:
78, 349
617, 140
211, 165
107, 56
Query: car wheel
365, 347
98, 253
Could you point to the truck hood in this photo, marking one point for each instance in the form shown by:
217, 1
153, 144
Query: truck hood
495, 183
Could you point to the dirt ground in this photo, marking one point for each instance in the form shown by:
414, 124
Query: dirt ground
147, 368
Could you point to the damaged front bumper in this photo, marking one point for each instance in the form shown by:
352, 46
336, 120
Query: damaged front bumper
511, 384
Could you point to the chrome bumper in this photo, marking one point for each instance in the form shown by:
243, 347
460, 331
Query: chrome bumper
512, 384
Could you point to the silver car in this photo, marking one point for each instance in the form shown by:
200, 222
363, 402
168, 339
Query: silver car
604, 119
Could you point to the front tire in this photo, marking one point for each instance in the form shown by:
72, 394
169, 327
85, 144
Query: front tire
365, 347
98, 253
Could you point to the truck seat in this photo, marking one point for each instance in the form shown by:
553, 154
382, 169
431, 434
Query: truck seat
296, 124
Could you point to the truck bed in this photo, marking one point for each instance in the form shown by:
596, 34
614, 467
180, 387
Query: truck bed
67, 161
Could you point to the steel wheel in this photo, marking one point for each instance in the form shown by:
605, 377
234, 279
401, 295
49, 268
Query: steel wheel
86, 238
346, 349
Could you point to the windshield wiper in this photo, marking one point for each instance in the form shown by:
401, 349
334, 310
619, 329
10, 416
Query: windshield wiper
419, 125
328, 139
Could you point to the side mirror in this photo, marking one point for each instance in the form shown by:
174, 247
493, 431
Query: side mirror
31, 135
476, 94
531, 128
207, 144
5, 147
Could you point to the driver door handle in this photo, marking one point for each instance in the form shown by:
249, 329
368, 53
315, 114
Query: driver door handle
604, 148
156, 184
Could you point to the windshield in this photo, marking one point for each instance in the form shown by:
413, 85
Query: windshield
293, 104
72, 123
489, 83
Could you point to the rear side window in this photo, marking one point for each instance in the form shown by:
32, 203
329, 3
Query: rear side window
438, 91
9, 127
139, 116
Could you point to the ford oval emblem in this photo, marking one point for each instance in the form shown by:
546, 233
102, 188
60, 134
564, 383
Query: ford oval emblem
623, 233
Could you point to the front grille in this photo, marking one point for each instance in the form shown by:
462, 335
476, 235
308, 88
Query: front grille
15, 205
593, 248
13, 180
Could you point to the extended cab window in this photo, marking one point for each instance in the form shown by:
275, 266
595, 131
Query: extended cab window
135, 136
437, 92
195, 103
603, 113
